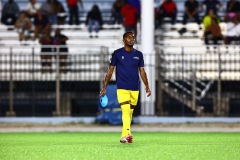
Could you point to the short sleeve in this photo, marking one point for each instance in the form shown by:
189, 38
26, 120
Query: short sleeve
141, 62
113, 59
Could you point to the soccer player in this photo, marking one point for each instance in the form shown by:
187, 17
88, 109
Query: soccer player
129, 64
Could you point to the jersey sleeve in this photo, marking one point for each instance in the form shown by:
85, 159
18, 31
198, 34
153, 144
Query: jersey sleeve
141, 61
113, 59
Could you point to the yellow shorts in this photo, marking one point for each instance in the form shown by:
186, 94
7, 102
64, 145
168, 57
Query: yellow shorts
124, 95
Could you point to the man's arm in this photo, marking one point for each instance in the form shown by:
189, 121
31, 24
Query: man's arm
145, 80
107, 79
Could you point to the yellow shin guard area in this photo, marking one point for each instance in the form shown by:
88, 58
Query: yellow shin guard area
131, 114
126, 119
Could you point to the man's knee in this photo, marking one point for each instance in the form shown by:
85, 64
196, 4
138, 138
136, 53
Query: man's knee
125, 102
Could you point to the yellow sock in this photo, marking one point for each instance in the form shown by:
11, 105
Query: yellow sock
131, 114
126, 119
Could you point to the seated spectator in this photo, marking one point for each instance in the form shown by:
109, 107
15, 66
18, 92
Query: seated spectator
233, 31
32, 7
46, 51
47, 10
212, 30
130, 17
94, 19
207, 20
214, 5
59, 10
10, 13
116, 12
23, 26
41, 23
233, 8
60, 39
167, 9
191, 12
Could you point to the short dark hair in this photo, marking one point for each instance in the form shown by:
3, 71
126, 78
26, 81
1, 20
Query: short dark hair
125, 34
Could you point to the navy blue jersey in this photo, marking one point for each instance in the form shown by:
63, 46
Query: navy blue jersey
127, 68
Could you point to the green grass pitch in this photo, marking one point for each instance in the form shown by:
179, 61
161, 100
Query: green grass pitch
106, 146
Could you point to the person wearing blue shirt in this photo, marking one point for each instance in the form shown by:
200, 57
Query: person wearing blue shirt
129, 64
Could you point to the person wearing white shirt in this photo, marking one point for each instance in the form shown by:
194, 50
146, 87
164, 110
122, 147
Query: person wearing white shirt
233, 31
32, 8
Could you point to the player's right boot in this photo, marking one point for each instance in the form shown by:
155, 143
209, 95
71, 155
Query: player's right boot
123, 140
129, 138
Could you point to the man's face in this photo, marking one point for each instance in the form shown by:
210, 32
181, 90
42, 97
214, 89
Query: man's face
129, 39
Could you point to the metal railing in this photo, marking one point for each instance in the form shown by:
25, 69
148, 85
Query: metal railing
188, 75
33, 83
28, 73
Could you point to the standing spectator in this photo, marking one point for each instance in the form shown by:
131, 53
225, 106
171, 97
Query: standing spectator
130, 17
116, 12
46, 51
23, 26
233, 8
191, 12
74, 11
59, 10
41, 23
167, 9
10, 13
47, 9
94, 18
137, 4
32, 7
214, 5
60, 39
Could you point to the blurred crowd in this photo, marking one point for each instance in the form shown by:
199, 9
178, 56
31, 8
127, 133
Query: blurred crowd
40, 17
210, 10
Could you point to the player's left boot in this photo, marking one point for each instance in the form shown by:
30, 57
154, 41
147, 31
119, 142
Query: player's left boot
123, 140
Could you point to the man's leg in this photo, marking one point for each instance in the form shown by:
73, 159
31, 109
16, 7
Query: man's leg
124, 101
126, 118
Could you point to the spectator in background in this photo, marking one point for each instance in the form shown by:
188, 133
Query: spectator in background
214, 5
60, 39
10, 13
233, 8
233, 31
212, 30
191, 12
59, 10
46, 51
116, 12
167, 9
94, 19
137, 4
47, 9
130, 17
74, 11
23, 26
41, 23
32, 7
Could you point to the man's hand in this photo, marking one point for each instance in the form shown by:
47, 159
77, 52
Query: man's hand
148, 91
102, 92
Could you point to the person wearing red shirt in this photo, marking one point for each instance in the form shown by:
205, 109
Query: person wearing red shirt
167, 9
130, 17
74, 11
